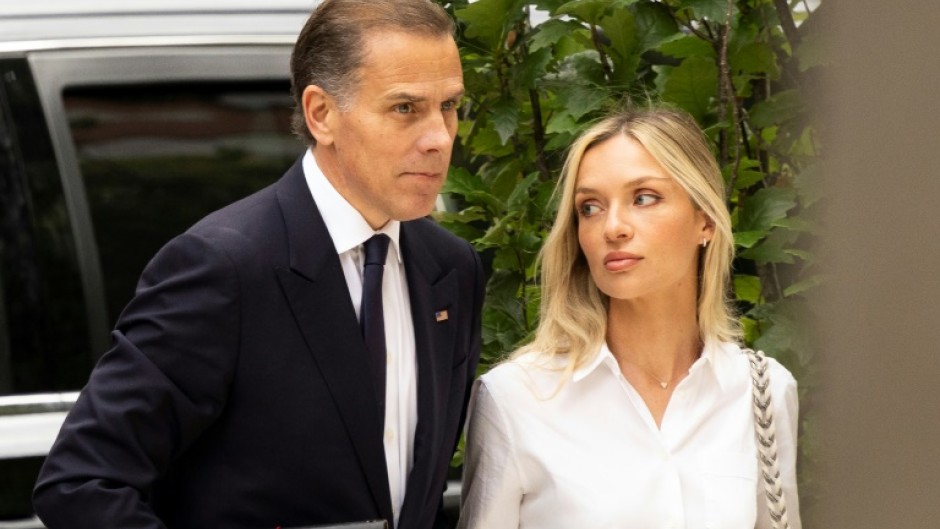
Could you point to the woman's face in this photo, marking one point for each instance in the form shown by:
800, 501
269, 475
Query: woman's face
637, 226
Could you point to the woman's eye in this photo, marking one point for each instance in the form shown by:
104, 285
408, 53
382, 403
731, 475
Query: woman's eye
404, 108
588, 209
645, 199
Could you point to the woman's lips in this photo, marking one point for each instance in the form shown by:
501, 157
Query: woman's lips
619, 261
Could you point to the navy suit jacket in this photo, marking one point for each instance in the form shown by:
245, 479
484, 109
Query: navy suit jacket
236, 393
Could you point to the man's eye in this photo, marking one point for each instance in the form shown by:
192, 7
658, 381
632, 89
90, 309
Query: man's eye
448, 105
645, 199
404, 108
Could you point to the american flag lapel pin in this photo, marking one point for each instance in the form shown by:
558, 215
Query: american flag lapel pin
440, 316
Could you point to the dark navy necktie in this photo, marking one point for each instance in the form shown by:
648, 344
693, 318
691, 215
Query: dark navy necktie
371, 317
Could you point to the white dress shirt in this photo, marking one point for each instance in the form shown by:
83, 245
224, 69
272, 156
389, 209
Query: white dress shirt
349, 230
592, 457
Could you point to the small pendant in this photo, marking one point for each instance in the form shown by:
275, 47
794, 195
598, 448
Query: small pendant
663, 384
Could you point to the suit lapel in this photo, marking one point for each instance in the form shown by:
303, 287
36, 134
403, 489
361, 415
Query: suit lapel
319, 299
430, 290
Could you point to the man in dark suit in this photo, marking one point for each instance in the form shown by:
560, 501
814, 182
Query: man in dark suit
259, 378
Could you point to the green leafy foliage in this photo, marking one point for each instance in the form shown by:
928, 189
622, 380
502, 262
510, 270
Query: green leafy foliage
531, 88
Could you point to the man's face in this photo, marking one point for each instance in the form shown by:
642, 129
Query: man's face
388, 152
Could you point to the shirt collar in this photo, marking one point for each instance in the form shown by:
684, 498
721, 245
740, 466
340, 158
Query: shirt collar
602, 356
719, 357
346, 225
716, 356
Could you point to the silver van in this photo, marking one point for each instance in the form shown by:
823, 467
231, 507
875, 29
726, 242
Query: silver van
121, 124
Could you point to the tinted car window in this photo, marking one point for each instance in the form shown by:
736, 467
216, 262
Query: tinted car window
43, 334
156, 158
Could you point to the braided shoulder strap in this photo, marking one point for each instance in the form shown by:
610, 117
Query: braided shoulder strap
766, 435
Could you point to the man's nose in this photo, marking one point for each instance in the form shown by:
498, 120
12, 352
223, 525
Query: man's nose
438, 134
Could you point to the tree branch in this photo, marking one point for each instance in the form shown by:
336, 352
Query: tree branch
538, 135
687, 23
728, 97
786, 22
605, 64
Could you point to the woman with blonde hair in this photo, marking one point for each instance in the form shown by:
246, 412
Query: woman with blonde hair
632, 406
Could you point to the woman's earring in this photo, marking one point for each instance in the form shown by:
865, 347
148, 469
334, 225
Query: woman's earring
704, 242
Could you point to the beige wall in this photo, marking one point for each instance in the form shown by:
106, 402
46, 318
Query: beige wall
881, 324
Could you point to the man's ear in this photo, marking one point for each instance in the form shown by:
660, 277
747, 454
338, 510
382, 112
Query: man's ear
319, 107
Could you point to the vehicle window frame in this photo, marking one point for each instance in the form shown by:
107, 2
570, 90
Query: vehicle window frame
57, 71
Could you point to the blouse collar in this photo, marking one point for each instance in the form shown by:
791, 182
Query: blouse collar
716, 357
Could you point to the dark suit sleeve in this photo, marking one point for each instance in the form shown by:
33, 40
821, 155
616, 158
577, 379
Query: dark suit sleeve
162, 383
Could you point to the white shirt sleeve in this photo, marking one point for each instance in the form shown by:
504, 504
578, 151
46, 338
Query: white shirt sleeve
786, 419
492, 483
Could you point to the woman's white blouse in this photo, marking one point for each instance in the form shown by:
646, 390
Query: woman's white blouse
591, 457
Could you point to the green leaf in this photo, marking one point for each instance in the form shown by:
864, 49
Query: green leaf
663, 73
804, 285
505, 258
487, 20
529, 241
749, 173
464, 231
549, 5
534, 298
620, 28
505, 118
561, 122
502, 294
464, 128
805, 144
764, 207
498, 234
772, 249
693, 85
462, 182
544, 206
755, 58
750, 329
778, 109
809, 257
580, 69
549, 33
786, 329
581, 100
532, 68
471, 187
654, 24
687, 46
809, 184
520, 195
487, 141
502, 175
560, 141
747, 239
714, 10
809, 53
747, 288
796, 224
464, 216
589, 11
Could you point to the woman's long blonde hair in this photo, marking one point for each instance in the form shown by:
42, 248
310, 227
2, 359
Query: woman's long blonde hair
573, 318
